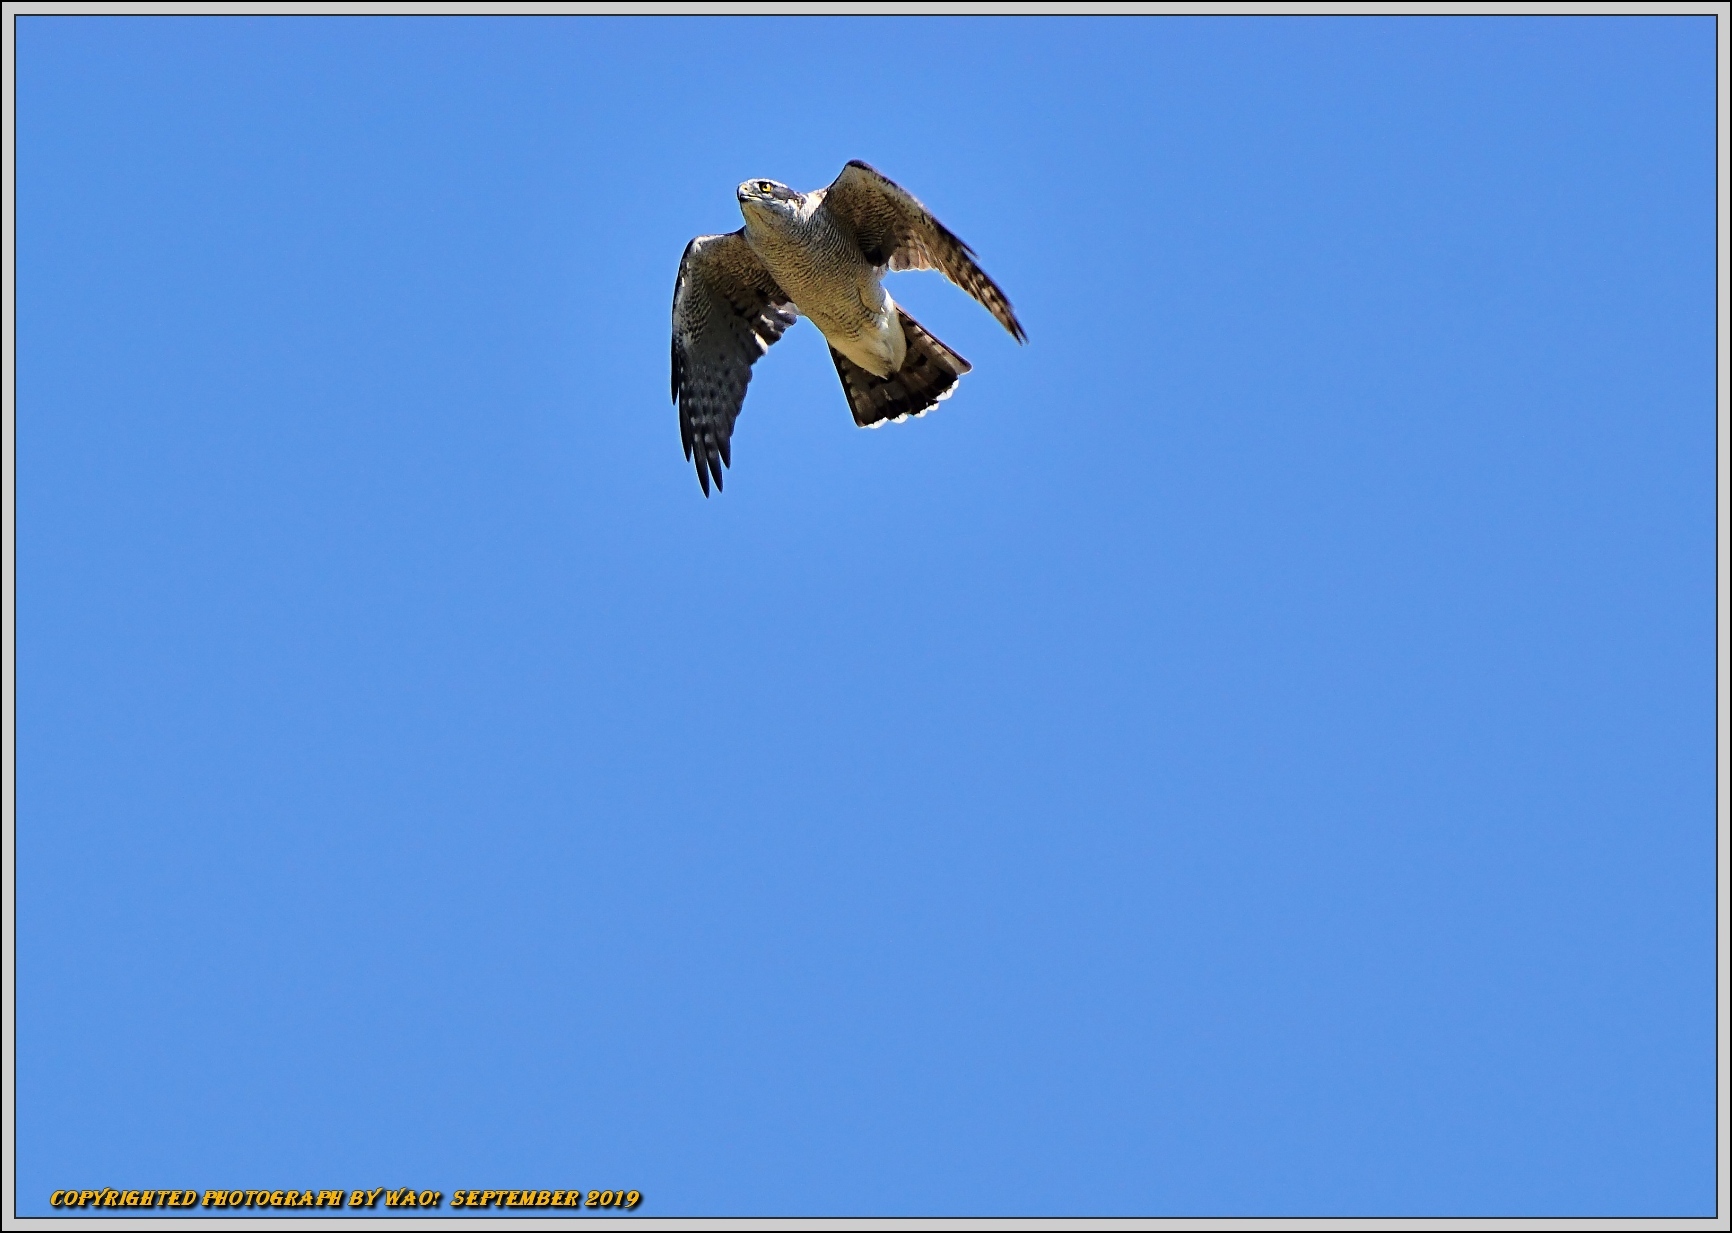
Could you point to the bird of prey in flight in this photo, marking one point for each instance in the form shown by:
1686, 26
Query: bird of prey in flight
821, 255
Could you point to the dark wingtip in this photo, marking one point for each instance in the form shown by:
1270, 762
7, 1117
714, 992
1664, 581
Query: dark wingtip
709, 465
701, 457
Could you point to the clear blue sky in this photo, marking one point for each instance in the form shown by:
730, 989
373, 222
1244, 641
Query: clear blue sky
1249, 752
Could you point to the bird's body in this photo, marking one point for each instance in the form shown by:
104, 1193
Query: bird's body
828, 280
821, 255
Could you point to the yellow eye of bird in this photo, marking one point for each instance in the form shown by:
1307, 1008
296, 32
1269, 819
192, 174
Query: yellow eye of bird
764, 186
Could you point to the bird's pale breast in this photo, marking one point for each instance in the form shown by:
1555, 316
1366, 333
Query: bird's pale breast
831, 283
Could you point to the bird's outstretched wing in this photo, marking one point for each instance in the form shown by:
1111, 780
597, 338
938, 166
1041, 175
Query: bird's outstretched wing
896, 232
727, 312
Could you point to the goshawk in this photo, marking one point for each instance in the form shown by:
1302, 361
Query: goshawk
822, 255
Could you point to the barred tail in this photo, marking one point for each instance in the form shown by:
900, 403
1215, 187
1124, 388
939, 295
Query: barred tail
927, 377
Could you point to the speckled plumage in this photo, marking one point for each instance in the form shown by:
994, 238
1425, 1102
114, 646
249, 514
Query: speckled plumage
822, 255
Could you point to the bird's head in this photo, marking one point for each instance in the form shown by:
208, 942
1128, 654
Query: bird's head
769, 200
